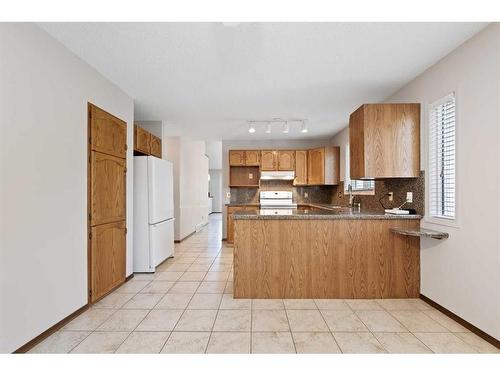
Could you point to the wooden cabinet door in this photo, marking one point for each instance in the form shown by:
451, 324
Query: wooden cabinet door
230, 226
142, 140
107, 198
300, 167
252, 158
155, 146
268, 160
316, 166
236, 158
108, 134
286, 160
357, 144
107, 258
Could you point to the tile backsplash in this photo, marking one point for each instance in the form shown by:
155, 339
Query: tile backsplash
335, 194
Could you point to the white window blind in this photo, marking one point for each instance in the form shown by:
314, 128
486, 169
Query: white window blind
442, 152
357, 185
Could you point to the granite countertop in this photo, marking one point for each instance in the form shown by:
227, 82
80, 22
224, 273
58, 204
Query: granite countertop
322, 214
242, 204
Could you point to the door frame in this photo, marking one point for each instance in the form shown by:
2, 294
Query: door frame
89, 198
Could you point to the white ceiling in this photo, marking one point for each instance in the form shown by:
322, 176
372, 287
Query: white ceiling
207, 79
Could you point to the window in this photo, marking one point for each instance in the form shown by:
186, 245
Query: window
359, 186
442, 152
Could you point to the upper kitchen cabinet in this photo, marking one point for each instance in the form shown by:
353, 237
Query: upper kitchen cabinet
107, 133
142, 140
300, 167
384, 141
323, 167
236, 158
286, 160
155, 146
252, 158
268, 160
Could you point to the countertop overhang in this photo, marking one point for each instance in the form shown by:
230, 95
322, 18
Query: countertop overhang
322, 214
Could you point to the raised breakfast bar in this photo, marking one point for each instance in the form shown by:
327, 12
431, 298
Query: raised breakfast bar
325, 253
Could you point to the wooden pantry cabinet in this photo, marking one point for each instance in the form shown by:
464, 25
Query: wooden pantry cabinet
384, 141
146, 143
323, 166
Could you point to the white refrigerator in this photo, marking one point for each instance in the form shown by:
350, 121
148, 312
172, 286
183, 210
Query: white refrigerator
153, 212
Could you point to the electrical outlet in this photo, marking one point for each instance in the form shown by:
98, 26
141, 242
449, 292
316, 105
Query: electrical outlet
228, 195
409, 197
306, 195
250, 176
391, 196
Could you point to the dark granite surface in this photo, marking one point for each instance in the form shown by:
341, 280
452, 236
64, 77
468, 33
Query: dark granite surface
342, 213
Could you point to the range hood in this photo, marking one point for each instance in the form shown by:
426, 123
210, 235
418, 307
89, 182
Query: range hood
277, 175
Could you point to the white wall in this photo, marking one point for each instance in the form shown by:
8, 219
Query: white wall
462, 272
215, 188
44, 90
154, 127
214, 153
257, 145
190, 183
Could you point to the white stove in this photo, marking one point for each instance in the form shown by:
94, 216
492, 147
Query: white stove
276, 199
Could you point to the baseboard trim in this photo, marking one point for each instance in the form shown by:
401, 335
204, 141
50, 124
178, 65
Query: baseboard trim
493, 341
182, 239
129, 277
42, 336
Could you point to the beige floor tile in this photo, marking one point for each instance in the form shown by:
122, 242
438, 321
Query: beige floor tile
306, 321
187, 342
184, 260
144, 276
158, 286
358, 342
421, 305
476, 342
132, 286
168, 275
418, 321
211, 287
203, 261
401, 342
445, 321
380, 321
174, 301
315, 342
331, 304
229, 288
184, 287
343, 321
268, 304
229, 342
143, 301
440, 342
89, 320
101, 342
220, 267
272, 342
199, 268
300, 304
196, 321
205, 301
192, 276
60, 342
270, 321
123, 321
160, 320
113, 301
233, 320
398, 304
178, 267
363, 304
217, 276
230, 303
144, 342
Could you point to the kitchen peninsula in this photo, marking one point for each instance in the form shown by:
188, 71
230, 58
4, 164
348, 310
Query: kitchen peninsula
325, 253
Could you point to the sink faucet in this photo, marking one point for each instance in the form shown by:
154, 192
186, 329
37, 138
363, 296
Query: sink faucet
352, 198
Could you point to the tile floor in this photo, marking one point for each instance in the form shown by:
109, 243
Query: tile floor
187, 307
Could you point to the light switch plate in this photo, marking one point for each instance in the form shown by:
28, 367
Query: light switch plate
228, 195
250, 176
409, 197
306, 194
391, 196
